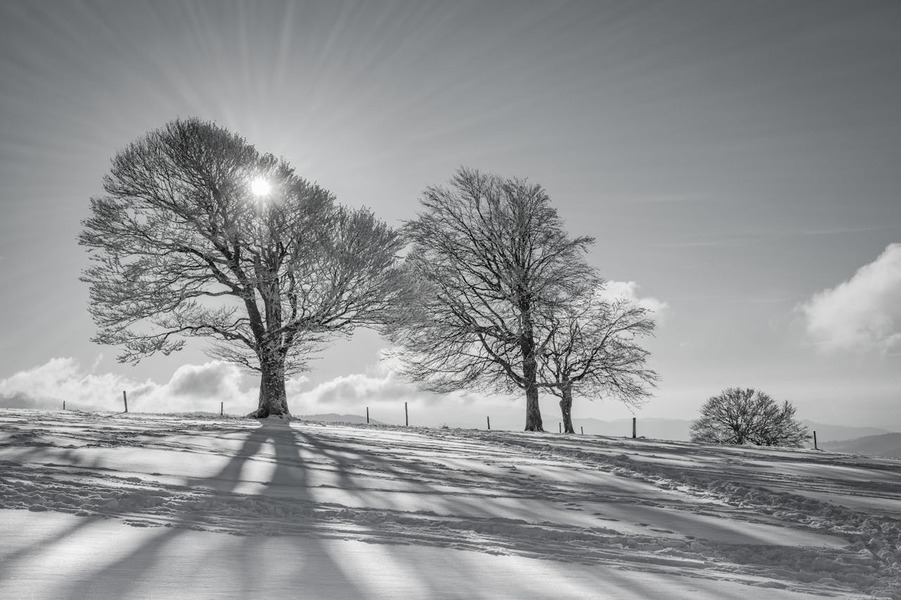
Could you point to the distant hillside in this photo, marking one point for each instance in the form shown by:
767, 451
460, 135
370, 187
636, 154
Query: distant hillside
336, 418
679, 429
658, 429
835, 433
887, 445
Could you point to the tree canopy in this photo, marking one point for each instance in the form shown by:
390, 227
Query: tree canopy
746, 416
181, 247
590, 346
489, 255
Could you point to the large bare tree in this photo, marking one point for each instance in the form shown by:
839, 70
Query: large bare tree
591, 346
200, 235
490, 254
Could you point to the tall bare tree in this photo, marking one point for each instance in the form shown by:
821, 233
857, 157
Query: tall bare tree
746, 416
181, 246
590, 346
490, 254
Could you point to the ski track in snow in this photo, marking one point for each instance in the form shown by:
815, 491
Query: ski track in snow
810, 522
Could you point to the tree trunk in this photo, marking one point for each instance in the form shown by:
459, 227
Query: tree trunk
530, 375
533, 412
566, 407
273, 399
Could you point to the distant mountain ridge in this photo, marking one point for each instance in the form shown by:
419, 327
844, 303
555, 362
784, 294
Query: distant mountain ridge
835, 433
886, 445
659, 429
338, 418
873, 440
679, 430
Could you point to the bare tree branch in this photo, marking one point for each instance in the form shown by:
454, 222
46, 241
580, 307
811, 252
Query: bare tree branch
746, 416
181, 248
488, 254
591, 347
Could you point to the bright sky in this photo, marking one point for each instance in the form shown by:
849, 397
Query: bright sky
737, 161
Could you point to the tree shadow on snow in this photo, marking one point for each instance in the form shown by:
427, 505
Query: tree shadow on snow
289, 492
128, 574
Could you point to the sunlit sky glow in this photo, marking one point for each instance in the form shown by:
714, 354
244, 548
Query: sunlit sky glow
260, 187
737, 163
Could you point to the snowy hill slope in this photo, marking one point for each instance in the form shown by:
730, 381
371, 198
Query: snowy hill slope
133, 506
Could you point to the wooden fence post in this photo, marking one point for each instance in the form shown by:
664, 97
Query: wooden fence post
489, 423
64, 405
815, 441
633, 428
582, 429
367, 415
406, 415
221, 409
125, 400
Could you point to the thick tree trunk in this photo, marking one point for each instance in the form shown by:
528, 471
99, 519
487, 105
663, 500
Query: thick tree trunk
533, 412
530, 374
566, 407
273, 399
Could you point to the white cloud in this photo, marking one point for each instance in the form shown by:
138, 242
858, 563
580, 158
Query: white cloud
352, 393
628, 290
383, 390
202, 387
384, 393
191, 388
212, 379
59, 379
863, 313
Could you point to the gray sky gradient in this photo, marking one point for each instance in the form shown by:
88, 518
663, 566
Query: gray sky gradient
732, 158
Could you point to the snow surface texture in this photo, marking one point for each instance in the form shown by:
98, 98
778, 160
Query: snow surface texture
130, 506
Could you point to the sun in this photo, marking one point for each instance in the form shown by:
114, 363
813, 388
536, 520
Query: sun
260, 187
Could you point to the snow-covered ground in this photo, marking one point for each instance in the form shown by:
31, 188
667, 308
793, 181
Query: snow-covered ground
139, 505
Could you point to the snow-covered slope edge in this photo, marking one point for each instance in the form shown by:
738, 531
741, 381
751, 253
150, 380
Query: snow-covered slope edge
791, 522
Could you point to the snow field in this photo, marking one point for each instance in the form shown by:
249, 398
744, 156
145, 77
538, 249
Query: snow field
105, 505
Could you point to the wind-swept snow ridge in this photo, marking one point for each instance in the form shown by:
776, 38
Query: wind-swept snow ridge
691, 519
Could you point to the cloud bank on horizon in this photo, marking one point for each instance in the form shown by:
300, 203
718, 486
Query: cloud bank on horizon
860, 314
191, 388
200, 388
